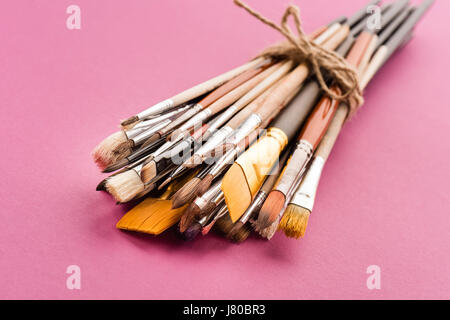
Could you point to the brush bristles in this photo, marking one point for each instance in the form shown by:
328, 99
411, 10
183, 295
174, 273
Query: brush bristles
129, 121
102, 185
192, 231
270, 209
295, 221
186, 194
116, 166
104, 154
224, 224
270, 231
204, 185
241, 234
188, 217
148, 171
125, 186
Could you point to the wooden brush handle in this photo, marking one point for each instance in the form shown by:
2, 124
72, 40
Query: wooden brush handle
213, 83
247, 111
237, 93
232, 84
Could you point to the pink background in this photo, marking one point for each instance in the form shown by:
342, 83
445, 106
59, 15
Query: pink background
383, 198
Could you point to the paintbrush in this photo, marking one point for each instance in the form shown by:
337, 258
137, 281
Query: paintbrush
295, 219
214, 96
260, 197
204, 224
192, 93
154, 215
201, 206
188, 192
307, 142
226, 100
328, 38
247, 174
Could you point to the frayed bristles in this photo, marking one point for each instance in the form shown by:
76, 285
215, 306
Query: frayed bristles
125, 186
192, 231
204, 185
295, 221
268, 232
188, 217
186, 194
104, 154
148, 171
271, 209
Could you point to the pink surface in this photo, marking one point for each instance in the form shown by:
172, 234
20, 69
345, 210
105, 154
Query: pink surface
383, 198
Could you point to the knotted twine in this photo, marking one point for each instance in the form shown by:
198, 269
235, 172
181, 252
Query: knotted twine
301, 50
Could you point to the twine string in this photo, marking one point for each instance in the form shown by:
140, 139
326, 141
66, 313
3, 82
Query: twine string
300, 49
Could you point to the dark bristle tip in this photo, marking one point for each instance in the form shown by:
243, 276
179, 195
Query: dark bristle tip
129, 121
235, 229
192, 231
188, 216
271, 209
101, 186
204, 185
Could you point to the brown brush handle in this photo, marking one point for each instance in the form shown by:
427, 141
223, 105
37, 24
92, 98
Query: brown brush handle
238, 92
233, 84
213, 83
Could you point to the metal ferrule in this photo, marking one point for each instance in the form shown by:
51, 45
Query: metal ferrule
195, 120
142, 137
249, 125
227, 159
184, 117
254, 207
138, 168
219, 198
167, 146
306, 192
156, 109
209, 195
219, 121
214, 141
295, 168
157, 119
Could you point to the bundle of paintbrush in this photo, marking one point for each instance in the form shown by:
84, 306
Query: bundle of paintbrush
245, 150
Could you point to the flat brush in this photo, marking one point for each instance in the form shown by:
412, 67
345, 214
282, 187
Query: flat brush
201, 206
192, 93
188, 192
154, 215
126, 185
307, 142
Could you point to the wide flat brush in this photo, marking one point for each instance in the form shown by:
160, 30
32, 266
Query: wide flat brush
154, 215
192, 93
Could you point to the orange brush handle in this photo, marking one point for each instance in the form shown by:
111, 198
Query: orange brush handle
319, 120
